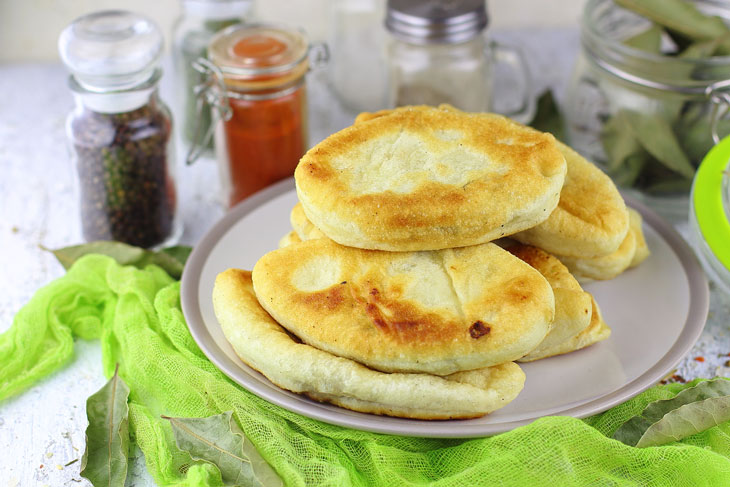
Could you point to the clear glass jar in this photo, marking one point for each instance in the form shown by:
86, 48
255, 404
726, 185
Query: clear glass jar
709, 214
198, 22
120, 132
438, 53
255, 83
645, 118
356, 75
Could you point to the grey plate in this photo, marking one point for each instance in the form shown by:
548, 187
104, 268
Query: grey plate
656, 311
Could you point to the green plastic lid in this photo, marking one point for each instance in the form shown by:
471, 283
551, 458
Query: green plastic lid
711, 206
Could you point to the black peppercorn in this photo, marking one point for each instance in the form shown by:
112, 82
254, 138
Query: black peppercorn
127, 192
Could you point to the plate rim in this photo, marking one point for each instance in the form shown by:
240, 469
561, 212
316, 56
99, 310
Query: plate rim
699, 297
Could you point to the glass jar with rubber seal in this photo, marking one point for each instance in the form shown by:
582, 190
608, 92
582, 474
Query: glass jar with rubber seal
256, 88
709, 214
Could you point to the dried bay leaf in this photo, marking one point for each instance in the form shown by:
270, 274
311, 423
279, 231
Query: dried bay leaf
649, 40
701, 50
657, 137
692, 411
548, 117
678, 16
626, 157
171, 259
178, 252
105, 458
218, 440
630, 170
619, 141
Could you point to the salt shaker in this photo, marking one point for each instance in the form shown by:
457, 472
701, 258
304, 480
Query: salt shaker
438, 54
120, 131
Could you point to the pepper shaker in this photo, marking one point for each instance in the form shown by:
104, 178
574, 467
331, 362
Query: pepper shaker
120, 131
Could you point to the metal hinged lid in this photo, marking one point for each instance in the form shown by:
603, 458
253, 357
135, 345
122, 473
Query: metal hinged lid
436, 21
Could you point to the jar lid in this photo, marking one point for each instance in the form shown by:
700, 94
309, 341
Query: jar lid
259, 55
436, 21
711, 200
111, 50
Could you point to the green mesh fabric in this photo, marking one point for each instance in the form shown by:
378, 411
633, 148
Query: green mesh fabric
136, 314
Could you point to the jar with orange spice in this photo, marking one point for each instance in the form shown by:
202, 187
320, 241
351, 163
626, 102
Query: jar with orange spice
256, 87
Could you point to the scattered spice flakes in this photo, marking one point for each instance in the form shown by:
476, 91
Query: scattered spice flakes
673, 378
59, 466
14, 229
699, 359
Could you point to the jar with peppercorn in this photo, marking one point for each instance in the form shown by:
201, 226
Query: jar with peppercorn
120, 132
256, 87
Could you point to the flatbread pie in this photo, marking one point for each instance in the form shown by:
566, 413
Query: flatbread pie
424, 178
591, 219
437, 312
267, 347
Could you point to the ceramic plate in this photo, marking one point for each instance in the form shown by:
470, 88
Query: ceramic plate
656, 312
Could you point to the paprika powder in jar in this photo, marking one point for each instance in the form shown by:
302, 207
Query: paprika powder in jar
264, 131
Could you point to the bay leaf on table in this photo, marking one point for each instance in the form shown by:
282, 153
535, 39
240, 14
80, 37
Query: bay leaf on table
692, 411
106, 455
678, 16
218, 440
649, 40
548, 117
172, 259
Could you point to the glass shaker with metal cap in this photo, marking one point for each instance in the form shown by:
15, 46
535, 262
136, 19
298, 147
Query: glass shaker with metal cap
439, 54
120, 131
256, 87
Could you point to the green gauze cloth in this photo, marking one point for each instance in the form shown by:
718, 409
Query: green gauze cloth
136, 314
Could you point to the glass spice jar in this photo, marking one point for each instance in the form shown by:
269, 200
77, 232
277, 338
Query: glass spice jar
438, 53
198, 22
646, 117
256, 85
120, 132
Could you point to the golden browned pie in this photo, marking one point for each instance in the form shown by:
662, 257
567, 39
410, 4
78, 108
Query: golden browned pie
267, 347
424, 178
432, 311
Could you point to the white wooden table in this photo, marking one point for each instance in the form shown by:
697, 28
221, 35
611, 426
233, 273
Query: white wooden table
42, 430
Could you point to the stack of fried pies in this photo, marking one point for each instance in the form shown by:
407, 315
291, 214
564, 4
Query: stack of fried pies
431, 250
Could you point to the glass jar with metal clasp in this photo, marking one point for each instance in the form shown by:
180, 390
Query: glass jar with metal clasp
255, 84
645, 117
